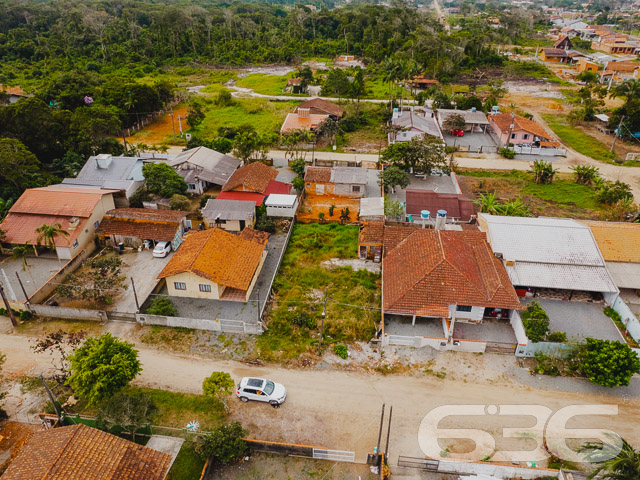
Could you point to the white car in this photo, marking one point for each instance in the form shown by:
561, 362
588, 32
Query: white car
162, 249
262, 390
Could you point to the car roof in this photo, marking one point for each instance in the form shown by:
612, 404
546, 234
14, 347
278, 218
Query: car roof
252, 382
162, 244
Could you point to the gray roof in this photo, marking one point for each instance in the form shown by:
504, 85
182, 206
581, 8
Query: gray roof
212, 166
349, 175
229, 209
120, 171
472, 117
626, 275
426, 124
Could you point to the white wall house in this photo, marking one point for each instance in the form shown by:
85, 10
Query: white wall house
279, 205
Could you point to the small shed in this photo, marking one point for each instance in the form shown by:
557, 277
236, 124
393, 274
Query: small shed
279, 205
230, 215
371, 208
602, 123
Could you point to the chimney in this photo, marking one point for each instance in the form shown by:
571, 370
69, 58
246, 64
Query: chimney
103, 160
303, 112
73, 223
441, 219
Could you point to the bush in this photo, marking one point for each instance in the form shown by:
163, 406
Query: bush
162, 306
341, 351
204, 199
507, 153
557, 337
612, 192
297, 166
536, 322
224, 445
179, 202
298, 184
607, 363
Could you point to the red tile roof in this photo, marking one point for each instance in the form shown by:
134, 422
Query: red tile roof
246, 196
318, 105
17, 91
431, 269
278, 187
165, 231
150, 214
317, 175
220, 256
254, 177
504, 120
371, 233
79, 452
296, 122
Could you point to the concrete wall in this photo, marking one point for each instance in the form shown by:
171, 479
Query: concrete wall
518, 328
346, 190
628, 318
288, 212
610, 297
217, 325
475, 314
550, 152
474, 346
69, 313
503, 471
546, 348
193, 283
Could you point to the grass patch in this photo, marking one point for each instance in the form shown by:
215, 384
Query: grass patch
377, 88
578, 140
264, 115
188, 465
264, 83
352, 309
177, 339
564, 191
452, 89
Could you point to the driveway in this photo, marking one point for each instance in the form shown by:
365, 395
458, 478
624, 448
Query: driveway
472, 140
579, 319
144, 268
39, 271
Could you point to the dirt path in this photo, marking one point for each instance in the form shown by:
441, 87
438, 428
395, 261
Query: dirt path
340, 409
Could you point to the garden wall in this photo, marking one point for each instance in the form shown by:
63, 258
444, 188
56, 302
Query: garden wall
217, 325
474, 346
628, 318
503, 471
546, 348
518, 328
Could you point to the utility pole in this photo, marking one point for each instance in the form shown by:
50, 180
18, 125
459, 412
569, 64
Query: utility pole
14, 322
173, 125
23, 290
324, 312
386, 449
258, 294
135, 295
51, 399
377, 452
616, 133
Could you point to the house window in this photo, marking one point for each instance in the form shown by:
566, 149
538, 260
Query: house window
525, 136
75, 244
96, 224
355, 188
513, 136
463, 308
192, 186
179, 285
205, 288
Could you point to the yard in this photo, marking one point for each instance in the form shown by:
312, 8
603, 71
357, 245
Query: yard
264, 83
300, 288
562, 198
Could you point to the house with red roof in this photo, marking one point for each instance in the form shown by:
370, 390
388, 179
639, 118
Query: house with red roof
253, 182
78, 211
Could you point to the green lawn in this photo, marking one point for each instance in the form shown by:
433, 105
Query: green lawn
578, 140
379, 89
264, 115
187, 466
352, 310
264, 83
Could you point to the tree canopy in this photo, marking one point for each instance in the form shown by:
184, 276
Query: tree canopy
160, 178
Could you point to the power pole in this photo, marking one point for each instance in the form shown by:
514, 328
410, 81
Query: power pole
386, 450
616, 133
173, 125
14, 322
23, 290
324, 312
51, 399
135, 295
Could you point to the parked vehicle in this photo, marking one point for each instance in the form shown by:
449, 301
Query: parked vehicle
457, 132
162, 249
261, 390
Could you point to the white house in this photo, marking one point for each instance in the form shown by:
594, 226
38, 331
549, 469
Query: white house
279, 205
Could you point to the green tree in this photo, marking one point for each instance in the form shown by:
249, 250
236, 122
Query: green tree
298, 166
393, 209
487, 203
162, 306
128, 411
585, 174
195, 113
101, 367
514, 208
345, 215
179, 202
606, 362
336, 83
250, 147
392, 177
160, 178
454, 122
21, 252
613, 192
615, 459
425, 154
543, 171
224, 445
47, 235
358, 87
536, 322
102, 281
17, 167
298, 184
219, 385
587, 77
224, 99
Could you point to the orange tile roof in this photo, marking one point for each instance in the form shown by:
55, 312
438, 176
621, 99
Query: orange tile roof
504, 120
618, 241
68, 202
158, 231
17, 91
21, 228
217, 255
622, 66
255, 236
296, 122
371, 233
317, 175
430, 270
254, 177
150, 214
322, 106
79, 452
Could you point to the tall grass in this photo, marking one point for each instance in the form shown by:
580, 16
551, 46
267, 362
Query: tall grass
579, 140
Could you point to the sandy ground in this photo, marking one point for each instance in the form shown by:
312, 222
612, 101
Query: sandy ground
312, 205
340, 408
159, 132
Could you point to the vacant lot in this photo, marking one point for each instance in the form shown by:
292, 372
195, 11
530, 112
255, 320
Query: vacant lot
562, 198
303, 286
161, 132
264, 83
312, 205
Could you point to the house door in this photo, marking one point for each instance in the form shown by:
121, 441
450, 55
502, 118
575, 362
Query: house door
319, 189
377, 254
242, 224
363, 252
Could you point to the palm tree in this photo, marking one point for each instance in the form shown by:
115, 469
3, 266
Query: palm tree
487, 203
20, 252
616, 461
629, 89
543, 171
47, 235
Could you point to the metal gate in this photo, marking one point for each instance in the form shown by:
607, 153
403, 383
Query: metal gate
422, 463
334, 455
501, 347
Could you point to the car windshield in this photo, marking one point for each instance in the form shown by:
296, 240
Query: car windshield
269, 387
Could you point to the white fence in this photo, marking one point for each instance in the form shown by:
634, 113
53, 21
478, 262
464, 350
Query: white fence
458, 345
628, 318
217, 325
551, 152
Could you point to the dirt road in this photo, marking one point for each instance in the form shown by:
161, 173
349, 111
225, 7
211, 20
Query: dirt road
341, 410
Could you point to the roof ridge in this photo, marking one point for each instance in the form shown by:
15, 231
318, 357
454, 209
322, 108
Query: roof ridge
463, 274
59, 456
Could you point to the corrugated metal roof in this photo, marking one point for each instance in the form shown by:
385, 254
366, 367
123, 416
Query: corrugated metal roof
248, 196
371, 206
625, 275
349, 175
566, 277
426, 125
228, 209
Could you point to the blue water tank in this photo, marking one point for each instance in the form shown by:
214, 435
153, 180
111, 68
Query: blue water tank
442, 213
425, 214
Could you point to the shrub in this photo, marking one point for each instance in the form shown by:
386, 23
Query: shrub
298, 184
162, 306
557, 337
204, 199
536, 322
297, 166
607, 363
341, 351
507, 153
224, 445
179, 202
612, 192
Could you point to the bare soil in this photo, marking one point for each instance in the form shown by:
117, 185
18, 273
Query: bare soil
161, 131
312, 205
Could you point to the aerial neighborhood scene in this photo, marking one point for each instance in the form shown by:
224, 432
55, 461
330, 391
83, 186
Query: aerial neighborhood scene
337, 240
